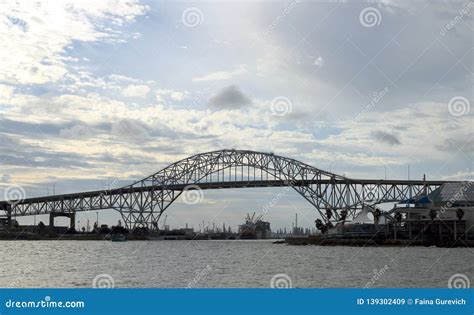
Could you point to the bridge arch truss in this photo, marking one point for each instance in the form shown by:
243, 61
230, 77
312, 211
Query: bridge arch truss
142, 203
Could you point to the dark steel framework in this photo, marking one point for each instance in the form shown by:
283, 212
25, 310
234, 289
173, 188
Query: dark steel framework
142, 203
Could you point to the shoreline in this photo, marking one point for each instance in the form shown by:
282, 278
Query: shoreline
28, 236
293, 241
364, 242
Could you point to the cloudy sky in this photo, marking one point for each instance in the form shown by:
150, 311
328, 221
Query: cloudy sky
95, 93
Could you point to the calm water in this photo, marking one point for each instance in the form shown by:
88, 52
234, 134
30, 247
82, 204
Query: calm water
225, 264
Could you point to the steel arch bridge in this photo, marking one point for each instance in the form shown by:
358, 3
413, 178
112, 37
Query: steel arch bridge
142, 203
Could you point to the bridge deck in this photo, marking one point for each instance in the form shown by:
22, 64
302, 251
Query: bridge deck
220, 185
142, 203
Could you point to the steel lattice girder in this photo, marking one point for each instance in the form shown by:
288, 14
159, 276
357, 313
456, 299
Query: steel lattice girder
143, 202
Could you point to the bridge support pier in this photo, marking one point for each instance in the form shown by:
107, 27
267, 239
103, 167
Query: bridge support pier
7, 216
70, 215
140, 219
147, 212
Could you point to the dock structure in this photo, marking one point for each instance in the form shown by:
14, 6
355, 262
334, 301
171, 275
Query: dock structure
444, 216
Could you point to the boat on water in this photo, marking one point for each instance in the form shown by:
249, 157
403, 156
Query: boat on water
118, 238
254, 228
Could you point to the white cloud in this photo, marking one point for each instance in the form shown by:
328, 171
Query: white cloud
222, 75
318, 61
136, 91
122, 78
130, 129
460, 175
35, 36
413, 126
147, 132
77, 131
177, 96
162, 94
159, 98
6, 91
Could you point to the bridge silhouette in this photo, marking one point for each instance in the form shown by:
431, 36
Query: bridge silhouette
142, 203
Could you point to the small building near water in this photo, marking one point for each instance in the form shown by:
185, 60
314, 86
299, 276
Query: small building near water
444, 216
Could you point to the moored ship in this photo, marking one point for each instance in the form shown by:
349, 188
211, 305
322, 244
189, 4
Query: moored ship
254, 228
